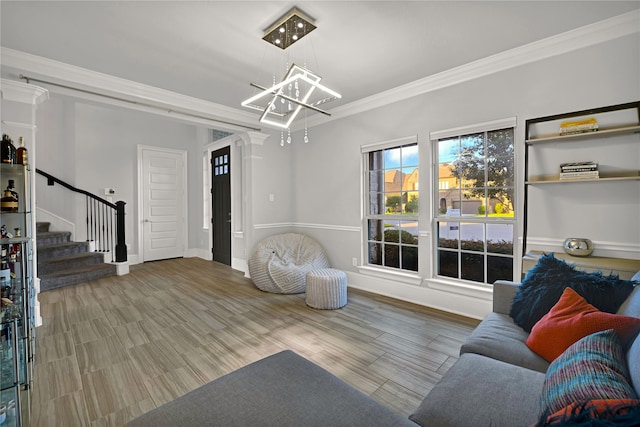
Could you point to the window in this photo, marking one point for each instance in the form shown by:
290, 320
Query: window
392, 199
474, 210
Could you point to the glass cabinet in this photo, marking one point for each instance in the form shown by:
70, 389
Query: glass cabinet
16, 283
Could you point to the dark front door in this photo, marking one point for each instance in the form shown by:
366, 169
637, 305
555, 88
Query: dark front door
221, 209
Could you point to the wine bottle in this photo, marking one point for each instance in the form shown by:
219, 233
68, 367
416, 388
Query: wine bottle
22, 154
8, 151
9, 203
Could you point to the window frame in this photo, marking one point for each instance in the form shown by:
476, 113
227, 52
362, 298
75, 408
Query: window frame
462, 220
366, 150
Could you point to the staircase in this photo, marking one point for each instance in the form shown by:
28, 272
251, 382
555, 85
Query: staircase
63, 263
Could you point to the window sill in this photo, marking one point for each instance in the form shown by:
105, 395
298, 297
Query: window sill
383, 273
462, 288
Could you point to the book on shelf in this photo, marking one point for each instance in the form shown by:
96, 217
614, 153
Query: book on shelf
578, 126
579, 167
579, 175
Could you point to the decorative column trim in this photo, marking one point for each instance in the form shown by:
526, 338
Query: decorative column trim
11, 90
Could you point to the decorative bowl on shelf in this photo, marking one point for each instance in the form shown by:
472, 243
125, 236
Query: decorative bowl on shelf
577, 246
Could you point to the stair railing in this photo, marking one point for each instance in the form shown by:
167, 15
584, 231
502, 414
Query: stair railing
105, 221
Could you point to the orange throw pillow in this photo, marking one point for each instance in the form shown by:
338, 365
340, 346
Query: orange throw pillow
571, 319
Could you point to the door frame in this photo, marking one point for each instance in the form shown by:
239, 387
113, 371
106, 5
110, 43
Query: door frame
218, 223
182, 228
236, 209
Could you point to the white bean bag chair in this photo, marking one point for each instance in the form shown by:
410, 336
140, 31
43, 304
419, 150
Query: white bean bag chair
280, 263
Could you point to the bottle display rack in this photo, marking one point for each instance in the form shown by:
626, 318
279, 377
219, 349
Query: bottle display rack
16, 285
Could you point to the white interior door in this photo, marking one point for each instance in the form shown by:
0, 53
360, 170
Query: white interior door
163, 203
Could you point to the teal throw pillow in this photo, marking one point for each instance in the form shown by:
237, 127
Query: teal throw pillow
546, 281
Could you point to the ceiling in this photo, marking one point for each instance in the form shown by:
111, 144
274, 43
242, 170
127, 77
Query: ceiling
212, 50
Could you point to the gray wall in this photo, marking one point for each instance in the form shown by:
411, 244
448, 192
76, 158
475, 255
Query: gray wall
317, 186
327, 171
95, 147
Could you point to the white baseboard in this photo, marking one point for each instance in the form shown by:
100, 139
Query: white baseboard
133, 259
240, 265
465, 301
122, 268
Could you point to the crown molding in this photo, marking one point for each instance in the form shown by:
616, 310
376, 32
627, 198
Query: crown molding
589, 35
38, 67
84, 79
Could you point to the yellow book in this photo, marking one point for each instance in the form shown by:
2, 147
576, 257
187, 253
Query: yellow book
579, 123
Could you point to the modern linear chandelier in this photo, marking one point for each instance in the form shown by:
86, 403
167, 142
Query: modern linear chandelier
299, 89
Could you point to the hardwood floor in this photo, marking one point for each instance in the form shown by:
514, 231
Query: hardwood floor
114, 348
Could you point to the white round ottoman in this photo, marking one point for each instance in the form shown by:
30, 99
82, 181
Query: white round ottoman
326, 288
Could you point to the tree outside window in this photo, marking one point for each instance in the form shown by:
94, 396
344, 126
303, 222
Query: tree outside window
475, 206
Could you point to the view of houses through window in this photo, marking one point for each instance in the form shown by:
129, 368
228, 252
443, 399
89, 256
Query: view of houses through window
475, 208
474, 221
392, 206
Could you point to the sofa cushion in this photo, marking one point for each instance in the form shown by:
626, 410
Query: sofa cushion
631, 306
498, 337
284, 389
503, 293
545, 282
633, 364
480, 391
573, 318
592, 368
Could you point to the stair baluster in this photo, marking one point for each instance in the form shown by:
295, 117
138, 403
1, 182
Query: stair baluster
100, 219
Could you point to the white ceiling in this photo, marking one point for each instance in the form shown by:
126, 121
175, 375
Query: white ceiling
212, 50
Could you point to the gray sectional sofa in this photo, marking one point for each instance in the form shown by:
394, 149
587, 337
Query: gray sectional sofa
498, 380
281, 390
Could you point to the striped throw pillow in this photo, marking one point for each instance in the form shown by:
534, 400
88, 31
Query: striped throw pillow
592, 368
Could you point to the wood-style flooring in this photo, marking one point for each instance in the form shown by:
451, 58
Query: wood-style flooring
114, 348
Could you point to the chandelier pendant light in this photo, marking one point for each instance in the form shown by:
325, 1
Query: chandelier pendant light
290, 28
300, 88
306, 81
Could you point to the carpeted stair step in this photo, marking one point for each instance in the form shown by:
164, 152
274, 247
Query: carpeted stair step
62, 249
76, 275
49, 238
42, 227
62, 262
53, 265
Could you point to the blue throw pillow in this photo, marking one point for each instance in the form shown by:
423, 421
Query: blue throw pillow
544, 283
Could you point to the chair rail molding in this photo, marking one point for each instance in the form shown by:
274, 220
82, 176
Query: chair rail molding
307, 225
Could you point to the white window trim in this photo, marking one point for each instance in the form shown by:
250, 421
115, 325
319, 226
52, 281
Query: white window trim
398, 275
376, 146
401, 275
509, 122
